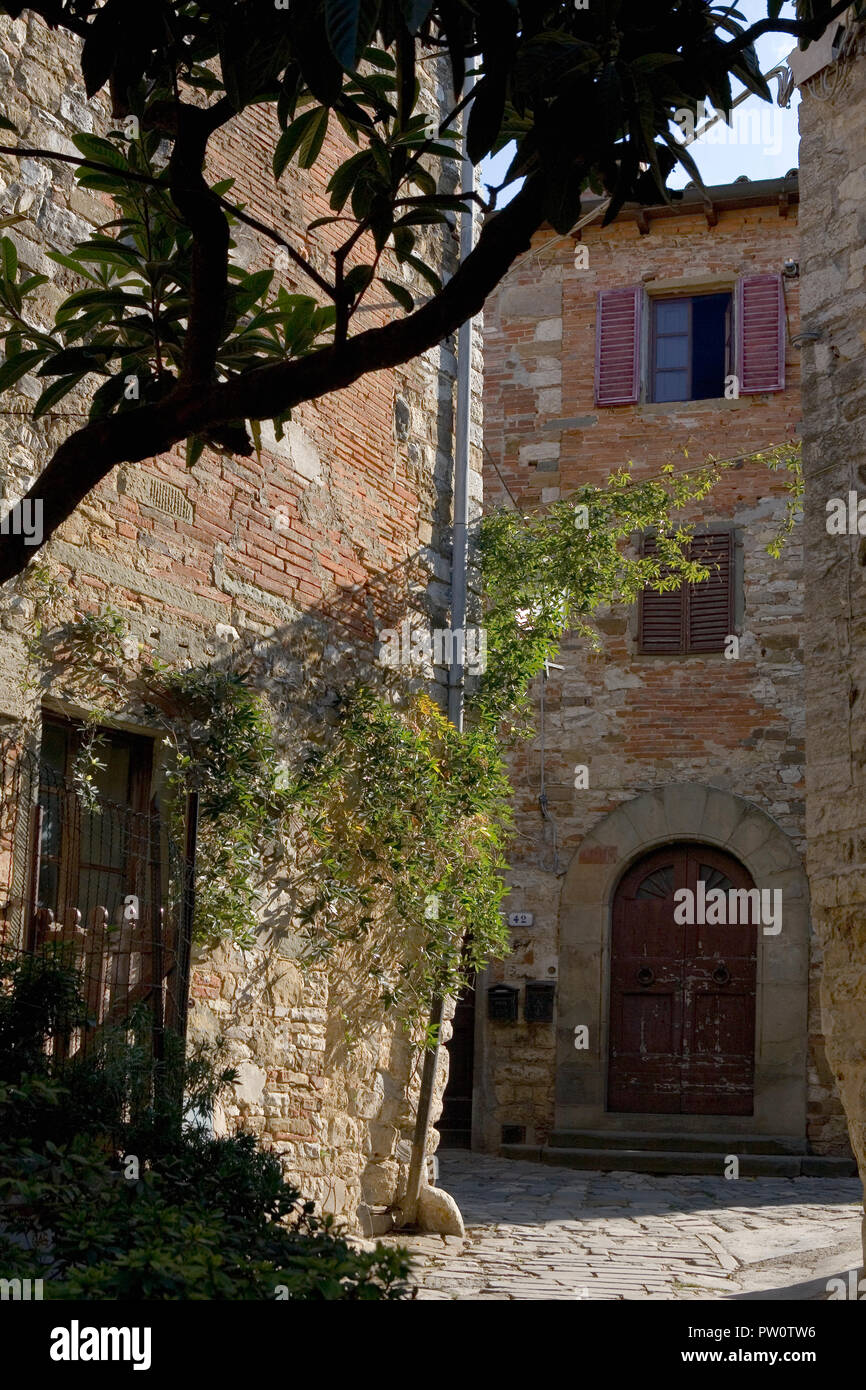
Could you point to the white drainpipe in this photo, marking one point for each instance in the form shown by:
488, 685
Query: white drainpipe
459, 549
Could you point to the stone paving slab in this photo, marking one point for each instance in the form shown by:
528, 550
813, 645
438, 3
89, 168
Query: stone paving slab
544, 1232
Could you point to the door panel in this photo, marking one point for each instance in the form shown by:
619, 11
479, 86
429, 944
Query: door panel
682, 1003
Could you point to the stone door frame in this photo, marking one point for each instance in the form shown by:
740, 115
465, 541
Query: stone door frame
704, 815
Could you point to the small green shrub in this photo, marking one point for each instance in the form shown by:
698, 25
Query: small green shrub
108, 1191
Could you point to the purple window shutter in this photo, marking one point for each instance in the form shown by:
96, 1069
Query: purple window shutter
760, 333
617, 346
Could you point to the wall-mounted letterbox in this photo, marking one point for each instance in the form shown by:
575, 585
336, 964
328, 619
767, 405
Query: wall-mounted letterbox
502, 1003
538, 1001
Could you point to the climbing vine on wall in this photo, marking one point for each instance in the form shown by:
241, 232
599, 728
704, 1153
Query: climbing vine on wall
386, 830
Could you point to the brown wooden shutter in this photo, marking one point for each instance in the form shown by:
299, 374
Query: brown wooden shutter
760, 334
661, 616
617, 346
710, 603
696, 617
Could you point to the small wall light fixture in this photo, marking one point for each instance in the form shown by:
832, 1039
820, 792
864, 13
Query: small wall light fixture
791, 270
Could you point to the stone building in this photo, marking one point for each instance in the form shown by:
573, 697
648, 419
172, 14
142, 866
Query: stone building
236, 563
832, 79
673, 329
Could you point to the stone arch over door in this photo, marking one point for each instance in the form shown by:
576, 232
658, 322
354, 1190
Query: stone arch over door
683, 812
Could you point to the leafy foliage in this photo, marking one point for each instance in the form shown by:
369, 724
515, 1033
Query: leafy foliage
192, 1218
222, 746
401, 819
387, 827
548, 573
164, 332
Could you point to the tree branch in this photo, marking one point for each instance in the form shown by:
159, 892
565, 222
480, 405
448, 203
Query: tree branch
798, 28
87, 456
151, 180
202, 212
279, 240
80, 162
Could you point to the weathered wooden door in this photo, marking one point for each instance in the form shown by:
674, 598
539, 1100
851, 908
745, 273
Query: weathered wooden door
682, 995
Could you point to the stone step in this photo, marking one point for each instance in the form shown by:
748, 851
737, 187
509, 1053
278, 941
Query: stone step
679, 1163
676, 1143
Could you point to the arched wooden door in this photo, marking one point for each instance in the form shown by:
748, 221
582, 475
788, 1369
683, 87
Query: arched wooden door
682, 997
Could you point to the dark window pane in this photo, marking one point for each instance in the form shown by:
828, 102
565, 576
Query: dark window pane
689, 351
709, 324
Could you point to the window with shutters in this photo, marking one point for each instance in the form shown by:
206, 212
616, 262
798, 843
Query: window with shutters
693, 617
693, 343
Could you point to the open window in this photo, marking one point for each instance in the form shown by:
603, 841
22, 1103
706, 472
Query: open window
693, 342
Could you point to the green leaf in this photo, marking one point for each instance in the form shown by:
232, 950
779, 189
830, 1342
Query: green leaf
419, 217
486, 113
32, 283
345, 176
54, 393
256, 432
102, 45
415, 12
98, 299
74, 360
194, 449
305, 135
311, 145
125, 257
400, 293
9, 257
103, 151
252, 289
107, 397
357, 280
342, 18
71, 264
425, 271
19, 365
115, 184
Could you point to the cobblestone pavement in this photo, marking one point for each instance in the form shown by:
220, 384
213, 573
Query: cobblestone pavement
539, 1232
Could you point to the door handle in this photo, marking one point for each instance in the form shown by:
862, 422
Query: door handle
645, 976
721, 974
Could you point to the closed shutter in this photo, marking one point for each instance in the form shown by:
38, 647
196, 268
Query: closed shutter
691, 618
661, 619
710, 603
760, 333
617, 346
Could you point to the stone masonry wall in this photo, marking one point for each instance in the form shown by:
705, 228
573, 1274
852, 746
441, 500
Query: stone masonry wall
833, 251
331, 533
640, 721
